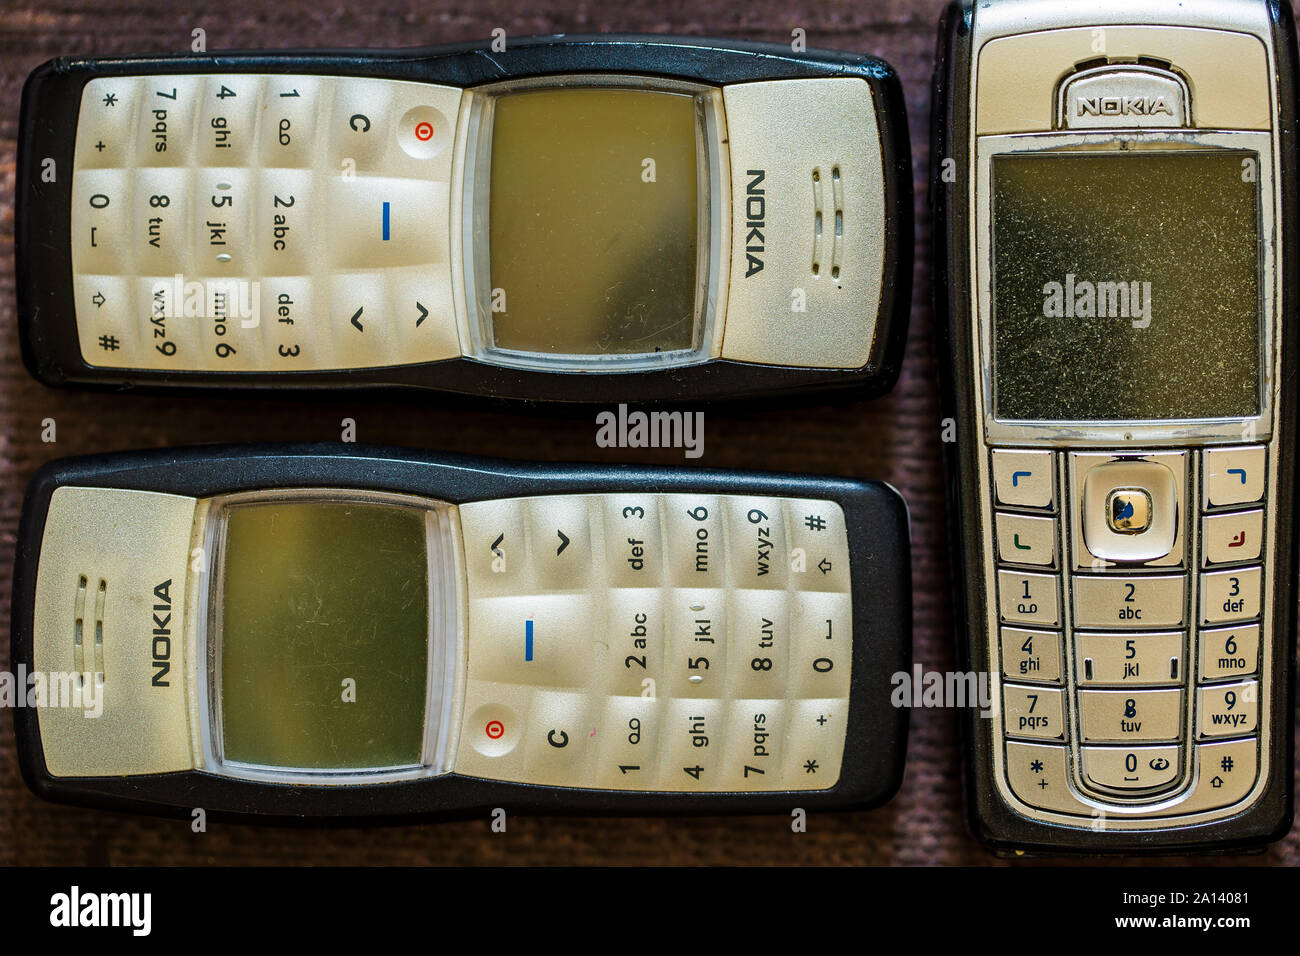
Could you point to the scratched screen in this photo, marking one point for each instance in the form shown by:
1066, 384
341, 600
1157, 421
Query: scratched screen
1126, 286
324, 635
593, 221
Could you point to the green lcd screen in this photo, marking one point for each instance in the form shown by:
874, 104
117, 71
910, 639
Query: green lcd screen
1126, 286
324, 635
593, 221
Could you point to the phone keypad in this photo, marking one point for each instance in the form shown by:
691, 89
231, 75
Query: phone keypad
650, 642
1030, 655
1136, 602
1030, 598
1136, 658
255, 223
1116, 768
1133, 675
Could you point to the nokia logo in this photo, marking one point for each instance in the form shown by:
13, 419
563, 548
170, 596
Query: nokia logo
162, 633
1121, 106
755, 220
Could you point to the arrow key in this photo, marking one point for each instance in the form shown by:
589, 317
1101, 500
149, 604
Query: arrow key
423, 315
559, 543
360, 323
496, 559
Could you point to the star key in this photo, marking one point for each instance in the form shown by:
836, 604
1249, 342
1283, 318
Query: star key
110, 99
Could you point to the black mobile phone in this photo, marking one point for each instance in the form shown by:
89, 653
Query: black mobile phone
570, 219
1114, 200
339, 632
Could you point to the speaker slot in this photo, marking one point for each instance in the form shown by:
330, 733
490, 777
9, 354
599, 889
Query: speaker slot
95, 662
817, 222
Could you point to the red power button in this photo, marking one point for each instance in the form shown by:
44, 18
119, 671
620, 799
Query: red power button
495, 729
423, 132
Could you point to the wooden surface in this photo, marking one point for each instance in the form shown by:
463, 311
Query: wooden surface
895, 438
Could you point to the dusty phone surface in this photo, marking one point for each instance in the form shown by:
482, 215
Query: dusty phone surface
569, 219
1116, 221
341, 632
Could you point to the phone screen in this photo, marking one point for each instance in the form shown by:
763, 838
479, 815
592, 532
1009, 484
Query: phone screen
1126, 286
594, 213
324, 635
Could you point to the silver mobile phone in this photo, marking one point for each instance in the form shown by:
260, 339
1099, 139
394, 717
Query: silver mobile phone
1115, 211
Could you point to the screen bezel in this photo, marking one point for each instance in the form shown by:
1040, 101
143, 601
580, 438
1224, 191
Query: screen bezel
1167, 431
442, 654
474, 159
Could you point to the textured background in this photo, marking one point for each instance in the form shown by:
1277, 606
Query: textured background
895, 438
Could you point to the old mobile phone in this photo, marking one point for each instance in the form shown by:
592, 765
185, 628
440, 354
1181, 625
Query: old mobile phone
339, 631
1115, 199
569, 219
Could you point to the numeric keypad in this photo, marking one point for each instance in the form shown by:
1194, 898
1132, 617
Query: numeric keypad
1162, 629
657, 642
218, 225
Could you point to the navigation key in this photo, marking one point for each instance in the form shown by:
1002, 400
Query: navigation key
561, 520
